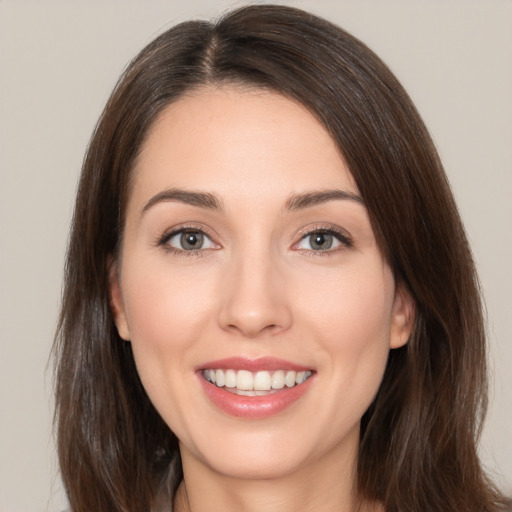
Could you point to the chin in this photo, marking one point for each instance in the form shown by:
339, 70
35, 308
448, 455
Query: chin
257, 465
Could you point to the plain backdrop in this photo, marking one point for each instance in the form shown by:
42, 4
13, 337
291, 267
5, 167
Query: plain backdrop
58, 63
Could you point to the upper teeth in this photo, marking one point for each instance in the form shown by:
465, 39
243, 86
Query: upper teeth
257, 381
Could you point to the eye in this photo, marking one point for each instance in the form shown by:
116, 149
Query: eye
189, 240
322, 240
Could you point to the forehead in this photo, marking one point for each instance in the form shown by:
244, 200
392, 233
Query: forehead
232, 137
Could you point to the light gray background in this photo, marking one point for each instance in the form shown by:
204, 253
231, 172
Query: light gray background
59, 61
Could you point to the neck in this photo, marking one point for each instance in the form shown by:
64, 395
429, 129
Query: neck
325, 485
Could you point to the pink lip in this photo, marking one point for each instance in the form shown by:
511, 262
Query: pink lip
253, 365
253, 407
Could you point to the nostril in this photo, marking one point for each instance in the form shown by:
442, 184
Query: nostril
255, 329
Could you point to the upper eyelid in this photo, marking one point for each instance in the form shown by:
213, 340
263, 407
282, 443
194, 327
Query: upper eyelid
328, 228
174, 230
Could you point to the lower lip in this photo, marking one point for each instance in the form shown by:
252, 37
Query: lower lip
254, 406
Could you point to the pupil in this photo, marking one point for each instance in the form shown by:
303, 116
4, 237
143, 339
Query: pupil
321, 241
191, 240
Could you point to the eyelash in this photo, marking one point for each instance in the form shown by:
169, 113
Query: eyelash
163, 242
341, 236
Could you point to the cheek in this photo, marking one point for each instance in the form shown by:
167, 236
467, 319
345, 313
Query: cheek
350, 306
352, 321
159, 300
167, 312
350, 315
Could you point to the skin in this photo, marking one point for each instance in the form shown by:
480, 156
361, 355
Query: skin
257, 289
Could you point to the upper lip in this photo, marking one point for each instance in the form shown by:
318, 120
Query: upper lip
253, 364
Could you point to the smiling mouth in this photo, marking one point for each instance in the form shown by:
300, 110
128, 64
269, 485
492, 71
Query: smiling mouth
246, 383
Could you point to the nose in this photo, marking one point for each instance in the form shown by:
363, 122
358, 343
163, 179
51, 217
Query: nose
254, 299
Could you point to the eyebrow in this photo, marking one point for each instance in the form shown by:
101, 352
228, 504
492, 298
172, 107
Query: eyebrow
212, 202
200, 199
302, 201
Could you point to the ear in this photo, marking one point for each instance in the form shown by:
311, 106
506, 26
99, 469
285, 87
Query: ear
403, 317
116, 301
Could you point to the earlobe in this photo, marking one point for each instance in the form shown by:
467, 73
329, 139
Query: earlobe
403, 317
116, 301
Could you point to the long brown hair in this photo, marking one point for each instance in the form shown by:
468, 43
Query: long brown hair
418, 439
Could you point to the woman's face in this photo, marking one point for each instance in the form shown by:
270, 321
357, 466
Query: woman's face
249, 260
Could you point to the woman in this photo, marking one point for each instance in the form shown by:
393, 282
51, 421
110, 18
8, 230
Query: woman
269, 298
